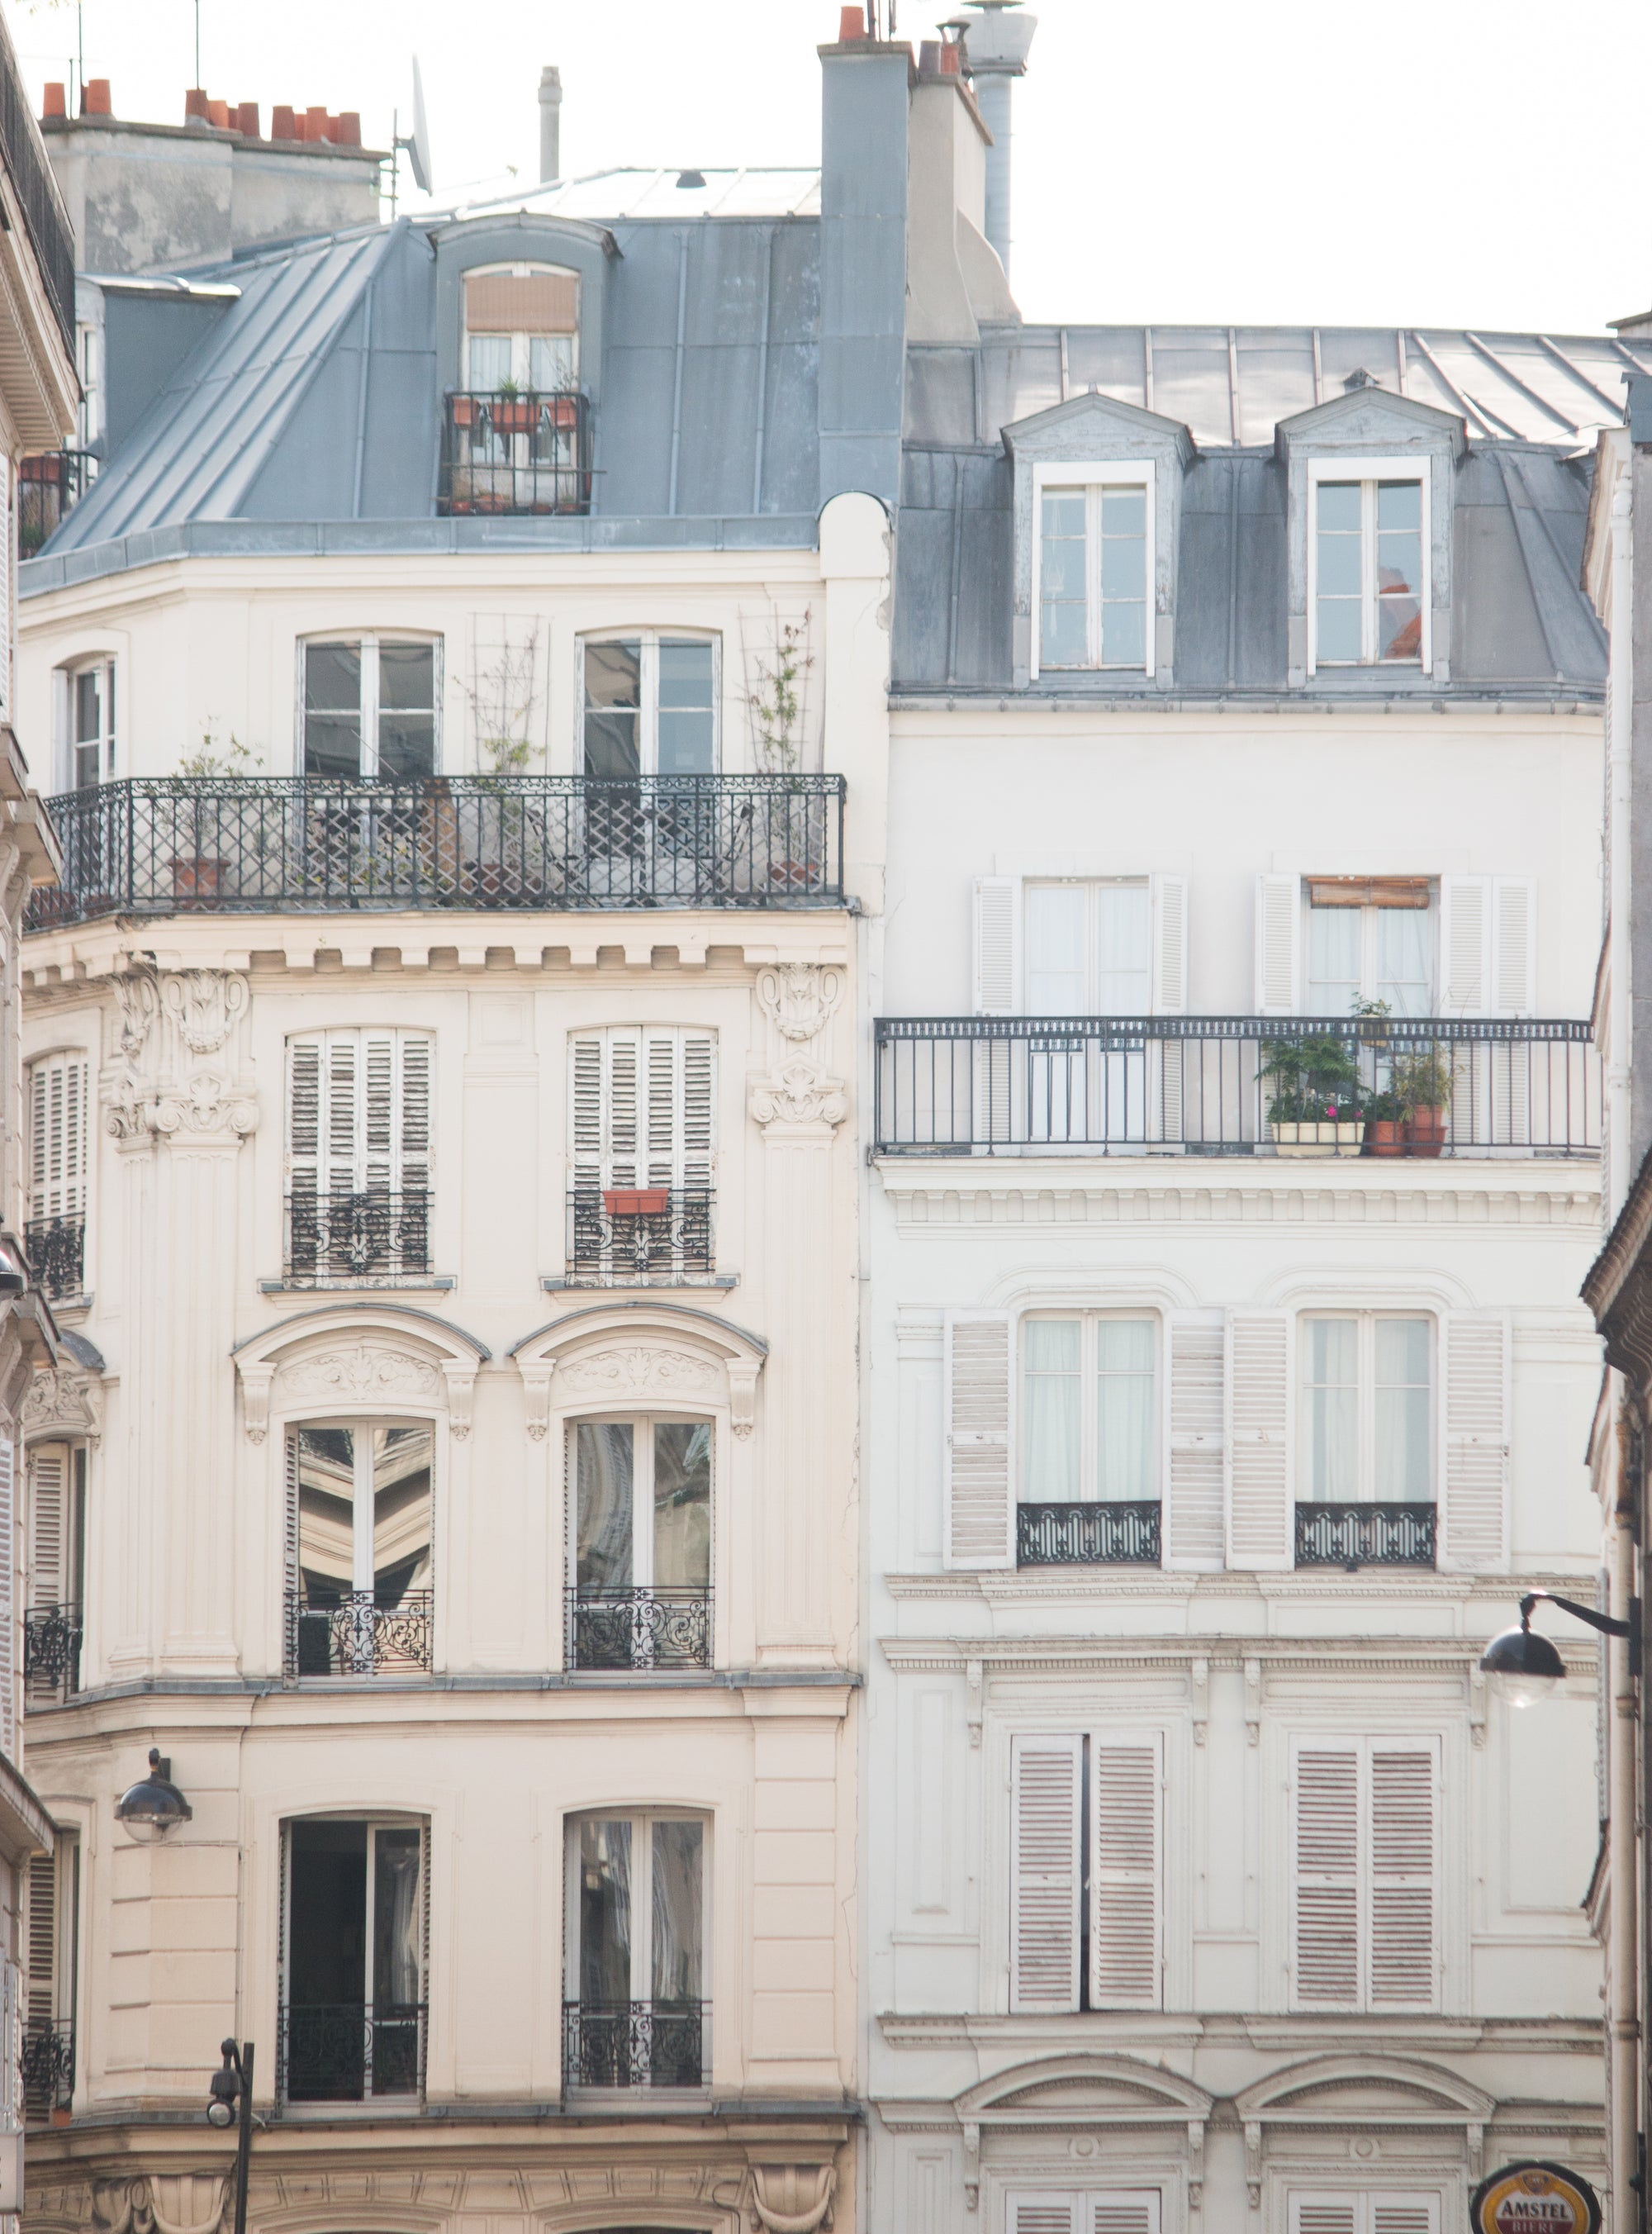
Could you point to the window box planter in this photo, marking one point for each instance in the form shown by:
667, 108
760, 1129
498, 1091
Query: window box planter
515, 417
1425, 1131
1321, 1138
464, 410
199, 877
635, 1202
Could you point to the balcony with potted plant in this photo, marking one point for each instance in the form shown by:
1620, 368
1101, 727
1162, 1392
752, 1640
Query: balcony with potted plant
1316, 1107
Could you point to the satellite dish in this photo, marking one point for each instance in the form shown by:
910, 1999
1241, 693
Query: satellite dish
417, 142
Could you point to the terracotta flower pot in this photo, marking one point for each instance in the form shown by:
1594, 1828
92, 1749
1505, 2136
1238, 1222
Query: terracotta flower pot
464, 410
1425, 1131
1321, 1138
1385, 1136
198, 876
515, 418
635, 1202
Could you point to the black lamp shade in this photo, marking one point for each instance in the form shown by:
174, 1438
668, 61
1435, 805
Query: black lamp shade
150, 1810
1523, 1663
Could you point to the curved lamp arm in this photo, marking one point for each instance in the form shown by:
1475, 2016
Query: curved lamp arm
1608, 1624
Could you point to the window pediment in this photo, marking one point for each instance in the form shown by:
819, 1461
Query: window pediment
1332, 2090
633, 1355
1106, 2089
363, 1361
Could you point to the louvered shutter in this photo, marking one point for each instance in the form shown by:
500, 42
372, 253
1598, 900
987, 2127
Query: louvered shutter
677, 1123
997, 906
1473, 1531
1043, 2214
1126, 1847
1464, 945
1044, 1874
1405, 2214
1169, 942
1325, 1877
1403, 1809
1514, 929
1325, 2214
1279, 937
980, 1452
1124, 2214
1257, 1489
8, 1599
57, 1142
7, 584
47, 1524
1191, 1536
295, 1579
642, 1108
40, 1942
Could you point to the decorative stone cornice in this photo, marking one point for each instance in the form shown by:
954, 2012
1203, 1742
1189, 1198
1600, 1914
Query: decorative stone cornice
1618, 1285
1359, 1656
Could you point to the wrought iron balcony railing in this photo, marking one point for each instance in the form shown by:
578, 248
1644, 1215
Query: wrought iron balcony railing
372, 1239
1237, 1085
173, 844
24, 153
351, 2052
48, 2062
51, 1654
354, 1634
1365, 1536
634, 2043
503, 453
49, 485
639, 1630
1087, 1535
611, 1247
56, 1252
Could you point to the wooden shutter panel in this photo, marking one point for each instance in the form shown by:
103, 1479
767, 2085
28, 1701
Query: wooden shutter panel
1325, 1838
1126, 1847
980, 1489
1279, 937
587, 1080
1124, 2214
342, 1162
1473, 1531
1169, 944
1325, 2214
696, 1154
1043, 2214
1044, 1874
677, 1124
622, 1110
1256, 1489
304, 1060
1405, 2214
57, 1143
1403, 1966
47, 1524
9, 1655
1464, 945
1514, 924
40, 1942
294, 1579
1192, 1535
997, 903
411, 1146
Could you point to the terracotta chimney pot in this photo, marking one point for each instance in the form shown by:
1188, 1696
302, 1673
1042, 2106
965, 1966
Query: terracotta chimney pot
316, 123
246, 117
196, 103
852, 25
347, 129
949, 59
56, 102
282, 124
217, 116
94, 98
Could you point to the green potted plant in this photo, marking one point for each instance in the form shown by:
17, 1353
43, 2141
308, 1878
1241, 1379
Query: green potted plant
1385, 1116
1315, 1108
513, 413
1424, 1083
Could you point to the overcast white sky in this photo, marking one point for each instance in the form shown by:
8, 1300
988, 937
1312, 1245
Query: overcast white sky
1190, 160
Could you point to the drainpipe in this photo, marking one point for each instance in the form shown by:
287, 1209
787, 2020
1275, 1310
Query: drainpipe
1621, 685
1622, 2016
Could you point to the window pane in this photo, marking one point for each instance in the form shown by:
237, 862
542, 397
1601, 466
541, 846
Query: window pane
401, 1513
1338, 630
1399, 627
88, 703
408, 676
1124, 512
406, 711
1125, 1408
1337, 561
613, 696
550, 361
1124, 584
1057, 981
1399, 506
1124, 634
605, 1912
1124, 949
333, 709
1054, 1435
1404, 1473
678, 1909
1063, 640
1334, 937
1405, 960
397, 1923
687, 715
1331, 1405
490, 361
407, 746
327, 1928
602, 1465
1339, 507
326, 1514
682, 1504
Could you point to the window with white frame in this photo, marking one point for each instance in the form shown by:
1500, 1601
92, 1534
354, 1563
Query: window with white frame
358, 1154
641, 1542
1085, 1870
521, 329
638, 1908
56, 1537
51, 1953
89, 702
1365, 1850
1362, 2211
1089, 1408
58, 1095
354, 1934
1088, 946
1082, 2210
1367, 1431
359, 1546
650, 705
1368, 555
1371, 938
368, 707
1093, 566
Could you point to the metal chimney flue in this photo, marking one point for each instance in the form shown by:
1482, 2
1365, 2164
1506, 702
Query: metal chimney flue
998, 36
550, 124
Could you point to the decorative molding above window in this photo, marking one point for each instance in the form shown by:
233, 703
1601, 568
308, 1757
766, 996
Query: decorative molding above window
649, 1358
360, 1362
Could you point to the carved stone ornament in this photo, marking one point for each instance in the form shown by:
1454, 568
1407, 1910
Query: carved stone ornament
62, 1403
207, 1105
138, 1004
791, 2199
355, 1373
205, 1005
170, 2202
638, 1370
799, 998
799, 1093
144, 1099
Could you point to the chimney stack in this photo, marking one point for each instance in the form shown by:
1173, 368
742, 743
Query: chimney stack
550, 124
997, 38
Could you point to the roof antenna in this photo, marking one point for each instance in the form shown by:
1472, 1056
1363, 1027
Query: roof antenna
417, 142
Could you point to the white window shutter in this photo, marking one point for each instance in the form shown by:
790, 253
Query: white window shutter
305, 1059
57, 1137
1043, 2214
411, 1145
1125, 2214
1473, 1535
980, 1448
1169, 892
1325, 2214
1044, 1789
697, 1134
1464, 945
1514, 949
341, 1130
677, 1081
40, 1941
622, 1112
8, 1651
1405, 2214
1404, 1812
1259, 1391
1192, 1535
587, 1107
1126, 1874
48, 1473
1325, 1877
998, 906
1279, 939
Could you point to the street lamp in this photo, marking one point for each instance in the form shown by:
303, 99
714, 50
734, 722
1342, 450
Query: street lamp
1522, 1663
233, 2085
155, 1805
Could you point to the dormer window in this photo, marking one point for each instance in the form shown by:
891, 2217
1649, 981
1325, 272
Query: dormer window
1093, 565
522, 329
1368, 592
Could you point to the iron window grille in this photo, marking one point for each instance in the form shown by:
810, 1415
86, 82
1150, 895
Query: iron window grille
1353, 1536
515, 454
361, 1634
1125, 1532
56, 1250
643, 1631
352, 2052
51, 1653
634, 2044
374, 1238
48, 2066
640, 1248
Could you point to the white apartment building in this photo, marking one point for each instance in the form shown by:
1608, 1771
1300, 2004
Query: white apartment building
1235, 1169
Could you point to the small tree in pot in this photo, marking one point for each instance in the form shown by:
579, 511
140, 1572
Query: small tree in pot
1315, 1108
1424, 1082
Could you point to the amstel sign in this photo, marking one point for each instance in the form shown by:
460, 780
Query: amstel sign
1535, 2198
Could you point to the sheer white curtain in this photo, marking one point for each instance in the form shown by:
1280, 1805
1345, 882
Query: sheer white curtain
1404, 1475
1333, 957
1331, 1409
1052, 1357
1405, 954
1124, 1409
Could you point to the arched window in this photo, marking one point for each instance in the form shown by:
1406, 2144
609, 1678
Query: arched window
522, 328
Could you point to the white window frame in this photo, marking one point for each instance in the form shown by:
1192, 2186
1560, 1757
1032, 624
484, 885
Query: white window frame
641, 1820
1090, 1452
106, 664
521, 344
1091, 474
1368, 914
367, 642
647, 719
1366, 472
1366, 1431
642, 1486
373, 1823
362, 1427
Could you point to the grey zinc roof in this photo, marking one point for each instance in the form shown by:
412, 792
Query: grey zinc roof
1531, 402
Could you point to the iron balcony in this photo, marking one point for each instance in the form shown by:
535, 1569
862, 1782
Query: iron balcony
1353, 1536
1101, 1533
55, 1248
51, 1654
48, 2067
371, 1239
351, 2052
634, 2043
162, 846
611, 1247
25, 155
49, 485
638, 1629
1211, 1086
354, 1634
511, 454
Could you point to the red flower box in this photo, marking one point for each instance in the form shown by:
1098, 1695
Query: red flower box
635, 1202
